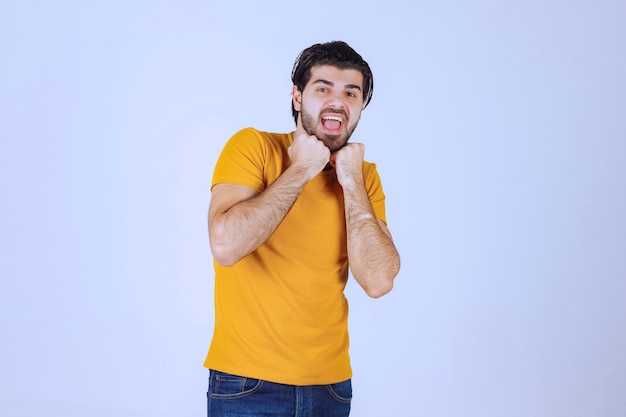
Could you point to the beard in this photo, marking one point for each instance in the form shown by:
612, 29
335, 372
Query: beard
313, 127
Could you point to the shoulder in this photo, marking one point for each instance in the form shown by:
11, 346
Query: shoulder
369, 169
250, 136
247, 134
251, 132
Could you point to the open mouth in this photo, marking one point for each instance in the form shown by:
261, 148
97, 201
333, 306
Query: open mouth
332, 122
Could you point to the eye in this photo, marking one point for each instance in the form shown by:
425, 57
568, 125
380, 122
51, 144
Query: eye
322, 89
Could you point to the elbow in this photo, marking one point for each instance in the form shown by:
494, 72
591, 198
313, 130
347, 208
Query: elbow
384, 282
223, 248
379, 290
223, 253
224, 259
376, 287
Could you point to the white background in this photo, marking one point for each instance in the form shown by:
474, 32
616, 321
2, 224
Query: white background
499, 131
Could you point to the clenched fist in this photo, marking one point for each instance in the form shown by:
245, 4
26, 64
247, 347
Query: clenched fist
308, 153
348, 163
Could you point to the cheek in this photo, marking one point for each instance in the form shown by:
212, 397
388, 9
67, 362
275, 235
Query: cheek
312, 108
355, 115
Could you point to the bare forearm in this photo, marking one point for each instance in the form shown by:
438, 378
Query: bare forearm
373, 258
245, 226
241, 222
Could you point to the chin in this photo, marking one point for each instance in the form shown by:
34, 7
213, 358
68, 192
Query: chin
334, 143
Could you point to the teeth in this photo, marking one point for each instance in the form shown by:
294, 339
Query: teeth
333, 118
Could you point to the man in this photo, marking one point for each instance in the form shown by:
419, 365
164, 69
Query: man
289, 214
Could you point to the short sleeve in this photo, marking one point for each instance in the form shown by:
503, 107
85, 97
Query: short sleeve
242, 160
375, 190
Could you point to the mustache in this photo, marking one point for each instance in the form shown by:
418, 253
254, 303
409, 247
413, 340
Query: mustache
332, 110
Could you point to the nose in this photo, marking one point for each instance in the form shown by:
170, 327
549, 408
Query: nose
337, 100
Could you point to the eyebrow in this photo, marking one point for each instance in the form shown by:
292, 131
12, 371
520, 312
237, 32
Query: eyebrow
326, 82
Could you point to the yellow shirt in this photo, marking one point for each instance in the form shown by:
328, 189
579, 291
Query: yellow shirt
280, 312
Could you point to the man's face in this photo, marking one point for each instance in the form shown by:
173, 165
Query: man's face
330, 105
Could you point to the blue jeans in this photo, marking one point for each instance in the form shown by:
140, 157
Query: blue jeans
236, 396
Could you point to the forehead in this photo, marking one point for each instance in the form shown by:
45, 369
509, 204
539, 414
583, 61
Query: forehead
338, 76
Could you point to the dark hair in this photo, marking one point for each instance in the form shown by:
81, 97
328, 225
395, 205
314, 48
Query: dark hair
336, 53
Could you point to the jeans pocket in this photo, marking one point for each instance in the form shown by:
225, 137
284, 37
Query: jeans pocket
341, 391
223, 385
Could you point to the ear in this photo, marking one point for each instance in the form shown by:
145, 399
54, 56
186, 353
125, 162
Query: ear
296, 96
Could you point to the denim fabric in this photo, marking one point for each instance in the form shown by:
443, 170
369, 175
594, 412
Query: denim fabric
236, 396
